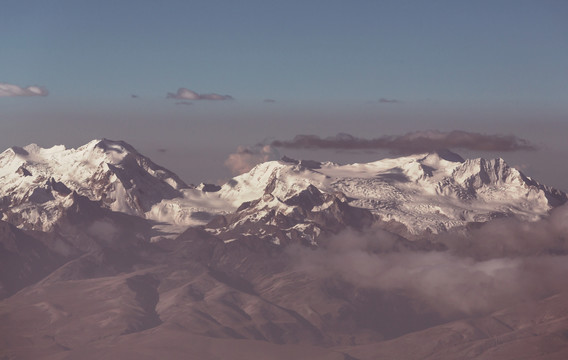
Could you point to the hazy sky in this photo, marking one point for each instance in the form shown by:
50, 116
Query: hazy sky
258, 70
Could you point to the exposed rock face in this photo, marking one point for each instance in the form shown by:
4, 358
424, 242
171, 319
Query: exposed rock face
24, 259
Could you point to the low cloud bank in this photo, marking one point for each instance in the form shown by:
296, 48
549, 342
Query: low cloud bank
15, 90
501, 263
411, 143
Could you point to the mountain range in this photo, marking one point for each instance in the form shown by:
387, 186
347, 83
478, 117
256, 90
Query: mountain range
105, 254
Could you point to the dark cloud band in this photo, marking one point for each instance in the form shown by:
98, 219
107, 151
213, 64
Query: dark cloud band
415, 142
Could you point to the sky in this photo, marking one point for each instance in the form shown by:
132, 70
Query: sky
188, 82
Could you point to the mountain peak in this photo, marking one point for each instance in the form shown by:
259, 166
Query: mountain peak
427, 192
107, 171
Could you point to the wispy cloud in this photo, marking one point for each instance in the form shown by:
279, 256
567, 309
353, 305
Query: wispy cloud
268, 101
15, 90
388, 101
411, 143
184, 103
186, 94
245, 158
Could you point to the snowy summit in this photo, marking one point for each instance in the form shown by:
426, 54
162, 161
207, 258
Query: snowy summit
418, 194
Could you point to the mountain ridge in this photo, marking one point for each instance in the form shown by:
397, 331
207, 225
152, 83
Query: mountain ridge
424, 193
292, 256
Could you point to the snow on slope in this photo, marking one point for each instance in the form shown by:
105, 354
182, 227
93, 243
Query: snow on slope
426, 192
35, 182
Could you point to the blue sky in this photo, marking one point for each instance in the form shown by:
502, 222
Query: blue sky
488, 66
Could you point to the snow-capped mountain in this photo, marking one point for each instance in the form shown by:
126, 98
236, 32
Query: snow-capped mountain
96, 286
411, 195
423, 193
36, 183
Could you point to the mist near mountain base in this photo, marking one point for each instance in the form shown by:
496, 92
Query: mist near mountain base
104, 231
503, 262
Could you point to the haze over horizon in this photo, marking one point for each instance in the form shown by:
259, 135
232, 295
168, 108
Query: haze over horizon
188, 83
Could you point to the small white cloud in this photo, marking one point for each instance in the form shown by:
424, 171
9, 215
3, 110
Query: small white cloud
186, 94
15, 90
